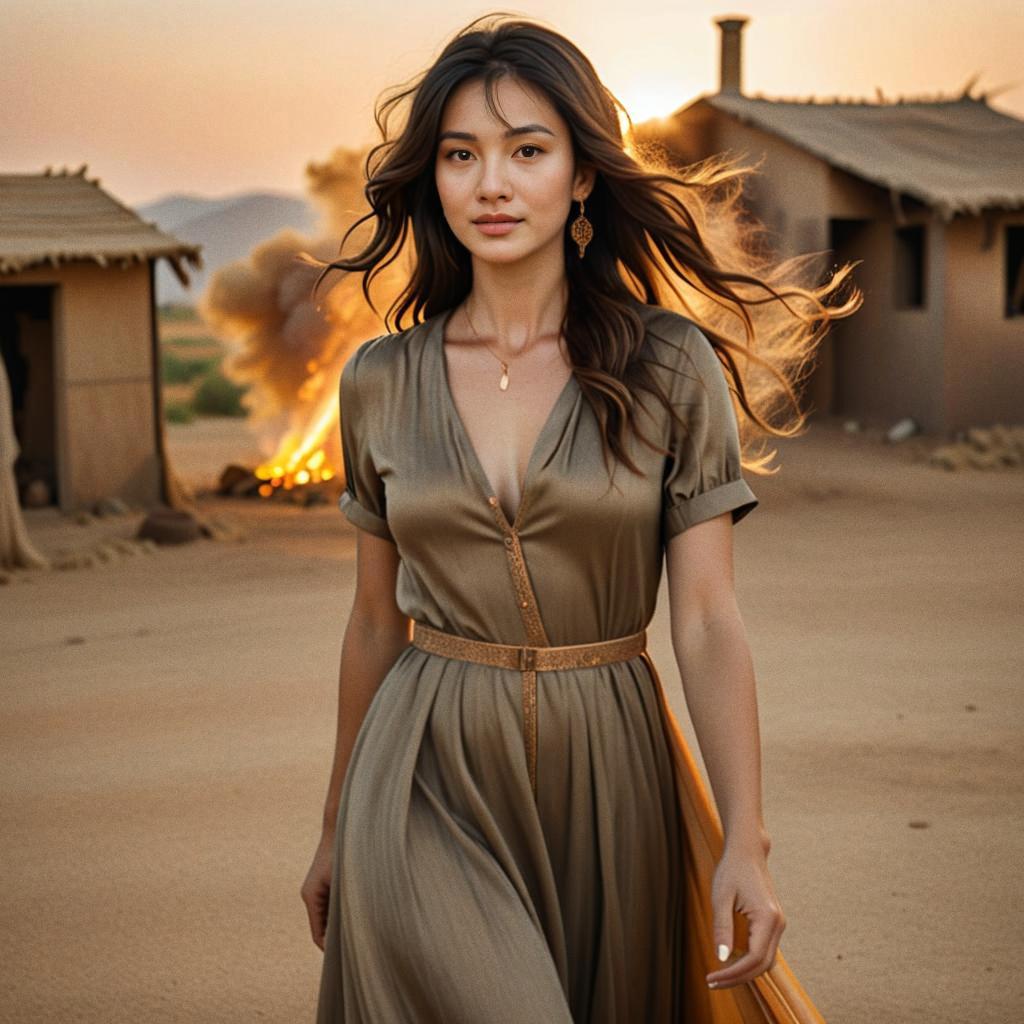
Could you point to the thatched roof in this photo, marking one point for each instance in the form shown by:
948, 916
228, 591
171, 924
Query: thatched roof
57, 217
957, 154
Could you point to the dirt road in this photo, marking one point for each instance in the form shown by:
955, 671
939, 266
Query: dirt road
168, 727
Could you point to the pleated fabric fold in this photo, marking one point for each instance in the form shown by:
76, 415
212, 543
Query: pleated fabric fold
457, 897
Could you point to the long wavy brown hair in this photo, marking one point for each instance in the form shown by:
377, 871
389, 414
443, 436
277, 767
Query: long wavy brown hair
666, 235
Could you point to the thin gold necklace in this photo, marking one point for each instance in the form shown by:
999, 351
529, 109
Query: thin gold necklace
503, 383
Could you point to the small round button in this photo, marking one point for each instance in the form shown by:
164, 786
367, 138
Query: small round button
523, 604
508, 542
492, 501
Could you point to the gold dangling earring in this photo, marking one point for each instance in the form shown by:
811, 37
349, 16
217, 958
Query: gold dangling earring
582, 230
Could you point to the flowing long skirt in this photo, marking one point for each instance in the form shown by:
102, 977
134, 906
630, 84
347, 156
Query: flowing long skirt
458, 898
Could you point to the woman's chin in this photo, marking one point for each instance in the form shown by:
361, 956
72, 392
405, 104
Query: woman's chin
499, 254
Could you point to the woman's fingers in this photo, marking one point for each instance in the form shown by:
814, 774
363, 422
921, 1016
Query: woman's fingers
766, 927
314, 898
722, 910
318, 916
316, 892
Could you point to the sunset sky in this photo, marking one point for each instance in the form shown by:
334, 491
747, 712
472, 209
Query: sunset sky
221, 96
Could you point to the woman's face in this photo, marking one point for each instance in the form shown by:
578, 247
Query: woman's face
528, 175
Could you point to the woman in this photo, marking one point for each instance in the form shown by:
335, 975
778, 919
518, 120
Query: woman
514, 830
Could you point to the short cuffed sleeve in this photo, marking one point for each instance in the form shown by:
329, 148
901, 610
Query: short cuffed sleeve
363, 500
702, 472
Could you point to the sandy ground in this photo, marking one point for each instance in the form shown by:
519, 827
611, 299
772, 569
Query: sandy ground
168, 727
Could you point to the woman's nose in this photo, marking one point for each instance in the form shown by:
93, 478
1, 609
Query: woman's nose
493, 181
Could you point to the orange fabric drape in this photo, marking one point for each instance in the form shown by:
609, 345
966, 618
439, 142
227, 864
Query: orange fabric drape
774, 997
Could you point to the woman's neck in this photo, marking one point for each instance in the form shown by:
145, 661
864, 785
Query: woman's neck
514, 305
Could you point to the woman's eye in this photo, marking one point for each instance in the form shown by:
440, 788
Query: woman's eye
454, 152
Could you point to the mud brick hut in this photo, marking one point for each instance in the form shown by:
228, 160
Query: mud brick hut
929, 194
79, 338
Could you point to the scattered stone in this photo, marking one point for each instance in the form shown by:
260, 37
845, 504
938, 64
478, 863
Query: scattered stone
239, 481
169, 526
109, 506
852, 426
982, 459
902, 430
917, 823
948, 456
979, 438
231, 475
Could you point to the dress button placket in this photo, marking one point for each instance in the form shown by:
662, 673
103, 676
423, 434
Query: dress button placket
535, 633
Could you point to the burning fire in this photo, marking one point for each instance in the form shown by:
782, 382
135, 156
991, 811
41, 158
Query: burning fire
301, 458
290, 346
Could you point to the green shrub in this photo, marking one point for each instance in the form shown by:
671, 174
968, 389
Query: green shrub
174, 311
179, 412
176, 370
218, 396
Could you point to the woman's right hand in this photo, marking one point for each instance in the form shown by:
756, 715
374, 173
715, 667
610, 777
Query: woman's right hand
316, 889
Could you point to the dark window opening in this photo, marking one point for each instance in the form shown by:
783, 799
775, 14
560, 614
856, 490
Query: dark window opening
1015, 270
908, 267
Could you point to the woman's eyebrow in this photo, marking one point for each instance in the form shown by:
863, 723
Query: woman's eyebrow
525, 129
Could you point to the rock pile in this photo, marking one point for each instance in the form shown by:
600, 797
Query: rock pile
996, 447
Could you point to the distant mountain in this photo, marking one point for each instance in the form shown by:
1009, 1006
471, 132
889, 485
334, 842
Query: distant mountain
226, 228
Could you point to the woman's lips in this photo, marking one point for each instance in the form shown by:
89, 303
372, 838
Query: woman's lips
496, 227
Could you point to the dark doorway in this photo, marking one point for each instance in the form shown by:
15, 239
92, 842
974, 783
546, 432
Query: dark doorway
848, 240
27, 345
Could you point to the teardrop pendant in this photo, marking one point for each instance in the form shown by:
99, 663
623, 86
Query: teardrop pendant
504, 377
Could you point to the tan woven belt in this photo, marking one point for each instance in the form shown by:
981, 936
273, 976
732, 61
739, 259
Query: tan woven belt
529, 660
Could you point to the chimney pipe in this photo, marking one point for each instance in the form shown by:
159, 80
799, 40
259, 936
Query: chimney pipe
730, 61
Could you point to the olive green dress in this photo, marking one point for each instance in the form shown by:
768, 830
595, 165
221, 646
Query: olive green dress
456, 897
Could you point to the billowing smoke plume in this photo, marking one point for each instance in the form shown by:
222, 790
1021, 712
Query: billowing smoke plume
290, 346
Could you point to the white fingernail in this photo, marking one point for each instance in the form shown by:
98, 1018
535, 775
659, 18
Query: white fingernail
723, 951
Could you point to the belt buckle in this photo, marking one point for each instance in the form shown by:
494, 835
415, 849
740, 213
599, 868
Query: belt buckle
527, 658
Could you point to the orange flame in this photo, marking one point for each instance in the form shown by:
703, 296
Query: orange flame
300, 458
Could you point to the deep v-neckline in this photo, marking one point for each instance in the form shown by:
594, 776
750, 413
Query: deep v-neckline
540, 445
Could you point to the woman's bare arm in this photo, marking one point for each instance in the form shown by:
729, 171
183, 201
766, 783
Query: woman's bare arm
376, 633
711, 649
710, 644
